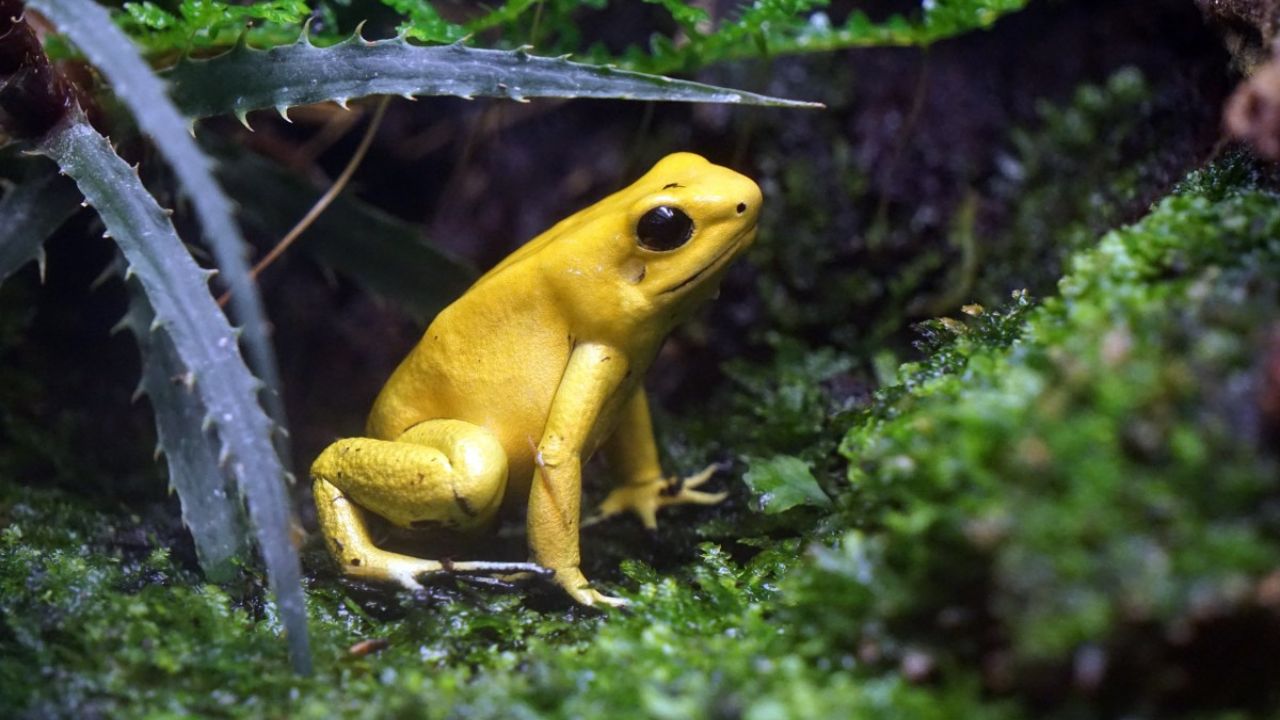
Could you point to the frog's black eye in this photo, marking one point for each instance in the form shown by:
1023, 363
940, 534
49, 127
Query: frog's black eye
664, 228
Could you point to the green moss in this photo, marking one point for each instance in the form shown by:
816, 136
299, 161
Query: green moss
1104, 472
86, 627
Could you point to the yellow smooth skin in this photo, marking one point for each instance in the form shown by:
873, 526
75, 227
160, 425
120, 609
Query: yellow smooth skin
537, 366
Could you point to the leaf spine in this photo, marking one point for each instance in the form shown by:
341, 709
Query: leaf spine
305, 37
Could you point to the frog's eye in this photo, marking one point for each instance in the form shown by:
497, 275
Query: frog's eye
664, 228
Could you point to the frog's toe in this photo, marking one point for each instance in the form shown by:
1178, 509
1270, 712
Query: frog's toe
683, 492
698, 497
595, 598
700, 478
609, 600
405, 579
573, 582
648, 515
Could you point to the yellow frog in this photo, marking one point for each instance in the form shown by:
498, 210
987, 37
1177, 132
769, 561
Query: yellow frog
515, 385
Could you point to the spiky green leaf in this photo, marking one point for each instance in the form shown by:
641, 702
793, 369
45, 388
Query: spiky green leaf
245, 79
30, 212
89, 26
211, 508
178, 292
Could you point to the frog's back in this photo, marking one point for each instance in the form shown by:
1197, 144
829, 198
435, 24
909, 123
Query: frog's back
493, 358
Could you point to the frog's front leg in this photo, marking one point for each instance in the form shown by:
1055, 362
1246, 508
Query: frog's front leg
593, 374
440, 473
633, 456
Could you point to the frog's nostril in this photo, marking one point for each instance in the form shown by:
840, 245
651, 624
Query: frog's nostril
742, 207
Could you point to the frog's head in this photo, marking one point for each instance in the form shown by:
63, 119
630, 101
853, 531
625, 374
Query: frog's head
644, 257
686, 220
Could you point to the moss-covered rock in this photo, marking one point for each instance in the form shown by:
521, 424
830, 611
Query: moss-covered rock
1083, 503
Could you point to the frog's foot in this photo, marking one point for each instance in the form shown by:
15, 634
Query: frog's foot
347, 536
645, 499
371, 563
576, 584
401, 571
408, 572
504, 572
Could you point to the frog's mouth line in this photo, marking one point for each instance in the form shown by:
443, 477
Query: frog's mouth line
714, 261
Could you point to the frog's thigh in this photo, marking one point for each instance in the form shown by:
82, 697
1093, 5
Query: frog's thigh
439, 473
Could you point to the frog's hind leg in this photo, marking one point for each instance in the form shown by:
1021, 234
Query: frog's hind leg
440, 473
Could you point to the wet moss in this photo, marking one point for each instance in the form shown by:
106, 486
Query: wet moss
1043, 506
90, 633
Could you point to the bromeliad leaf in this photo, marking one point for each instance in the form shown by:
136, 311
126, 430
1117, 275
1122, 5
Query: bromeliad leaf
30, 212
178, 291
89, 26
783, 482
211, 509
245, 79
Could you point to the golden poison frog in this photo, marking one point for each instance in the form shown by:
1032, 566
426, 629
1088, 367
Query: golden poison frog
539, 364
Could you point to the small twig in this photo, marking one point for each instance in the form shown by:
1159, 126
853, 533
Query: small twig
325, 200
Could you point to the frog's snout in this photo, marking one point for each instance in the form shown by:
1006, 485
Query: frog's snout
748, 209
749, 198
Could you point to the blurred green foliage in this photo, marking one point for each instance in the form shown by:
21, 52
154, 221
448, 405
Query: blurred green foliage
686, 39
195, 24
1069, 178
1106, 470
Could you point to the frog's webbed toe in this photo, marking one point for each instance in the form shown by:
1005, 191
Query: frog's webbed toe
684, 492
646, 499
576, 584
351, 545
